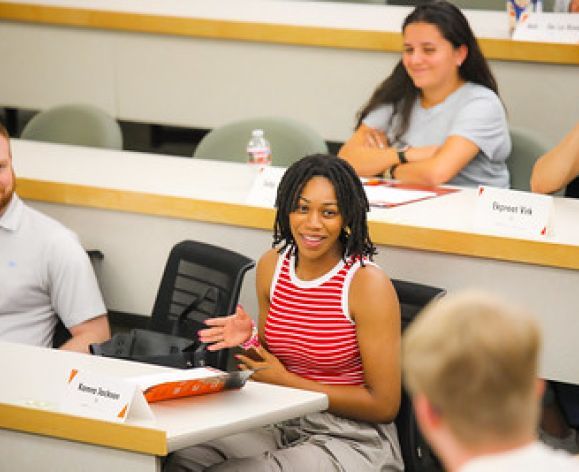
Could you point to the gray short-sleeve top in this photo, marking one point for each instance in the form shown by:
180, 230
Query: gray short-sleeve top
473, 112
45, 273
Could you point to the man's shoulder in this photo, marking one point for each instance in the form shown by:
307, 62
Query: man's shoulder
44, 228
533, 457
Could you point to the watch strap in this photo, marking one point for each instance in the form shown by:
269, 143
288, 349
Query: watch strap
402, 155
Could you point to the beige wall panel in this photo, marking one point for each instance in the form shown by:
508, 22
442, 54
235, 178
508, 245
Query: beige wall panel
43, 66
25, 452
206, 83
540, 97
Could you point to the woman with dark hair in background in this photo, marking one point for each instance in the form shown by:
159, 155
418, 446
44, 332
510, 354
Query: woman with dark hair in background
329, 321
437, 118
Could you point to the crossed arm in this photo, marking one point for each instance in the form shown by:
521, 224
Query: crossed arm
369, 152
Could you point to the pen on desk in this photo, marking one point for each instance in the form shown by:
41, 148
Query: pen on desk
374, 182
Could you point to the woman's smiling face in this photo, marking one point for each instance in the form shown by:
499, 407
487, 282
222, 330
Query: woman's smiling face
316, 222
429, 58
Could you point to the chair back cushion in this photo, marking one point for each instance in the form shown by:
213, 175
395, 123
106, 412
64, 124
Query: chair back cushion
527, 148
289, 139
82, 125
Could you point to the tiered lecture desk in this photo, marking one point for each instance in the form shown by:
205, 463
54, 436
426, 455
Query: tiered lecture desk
135, 207
35, 435
202, 63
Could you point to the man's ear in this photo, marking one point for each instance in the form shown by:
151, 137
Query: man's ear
540, 388
427, 415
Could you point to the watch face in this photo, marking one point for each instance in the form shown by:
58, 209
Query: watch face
402, 156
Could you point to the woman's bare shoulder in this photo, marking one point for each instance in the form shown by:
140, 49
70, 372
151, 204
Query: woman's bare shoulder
370, 282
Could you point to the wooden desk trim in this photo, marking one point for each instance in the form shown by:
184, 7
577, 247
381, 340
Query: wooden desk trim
498, 49
85, 430
389, 234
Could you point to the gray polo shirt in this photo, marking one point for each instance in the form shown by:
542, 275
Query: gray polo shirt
44, 271
473, 112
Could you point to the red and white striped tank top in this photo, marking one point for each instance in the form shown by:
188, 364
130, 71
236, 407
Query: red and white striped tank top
308, 327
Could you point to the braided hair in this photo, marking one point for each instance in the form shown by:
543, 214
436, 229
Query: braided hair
352, 203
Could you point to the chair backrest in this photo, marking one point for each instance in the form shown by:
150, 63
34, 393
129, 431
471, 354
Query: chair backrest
416, 452
527, 148
82, 125
193, 270
289, 139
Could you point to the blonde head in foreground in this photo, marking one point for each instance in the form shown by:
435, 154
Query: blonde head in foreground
474, 358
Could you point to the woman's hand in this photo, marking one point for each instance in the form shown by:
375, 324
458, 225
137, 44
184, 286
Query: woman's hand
269, 369
227, 331
375, 139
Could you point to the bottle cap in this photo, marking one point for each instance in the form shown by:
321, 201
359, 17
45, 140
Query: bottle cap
257, 132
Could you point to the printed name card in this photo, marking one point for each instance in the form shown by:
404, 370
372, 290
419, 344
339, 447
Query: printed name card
102, 397
512, 213
549, 28
264, 188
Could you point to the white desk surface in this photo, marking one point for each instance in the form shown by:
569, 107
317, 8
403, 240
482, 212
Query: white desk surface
230, 183
32, 374
364, 17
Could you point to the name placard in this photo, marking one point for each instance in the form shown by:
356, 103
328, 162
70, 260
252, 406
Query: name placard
548, 28
512, 213
102, 397
264, 188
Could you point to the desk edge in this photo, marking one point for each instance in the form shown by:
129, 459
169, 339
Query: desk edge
85, 430
497, 49
389, 234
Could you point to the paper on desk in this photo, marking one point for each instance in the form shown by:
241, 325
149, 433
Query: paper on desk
548, 28
264, 188
188, 382
384, 195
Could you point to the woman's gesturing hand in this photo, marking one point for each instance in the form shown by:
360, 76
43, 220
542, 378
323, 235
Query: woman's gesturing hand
227, 331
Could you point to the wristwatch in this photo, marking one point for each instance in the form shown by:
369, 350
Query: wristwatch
401, 151
389, 173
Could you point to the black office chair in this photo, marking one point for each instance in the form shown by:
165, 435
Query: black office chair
200, 281
61, 334
416, 452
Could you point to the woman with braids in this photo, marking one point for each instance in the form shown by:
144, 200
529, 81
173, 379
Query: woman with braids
329, 321
437, 118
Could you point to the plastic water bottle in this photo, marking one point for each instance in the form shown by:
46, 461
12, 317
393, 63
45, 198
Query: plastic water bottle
258, 149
